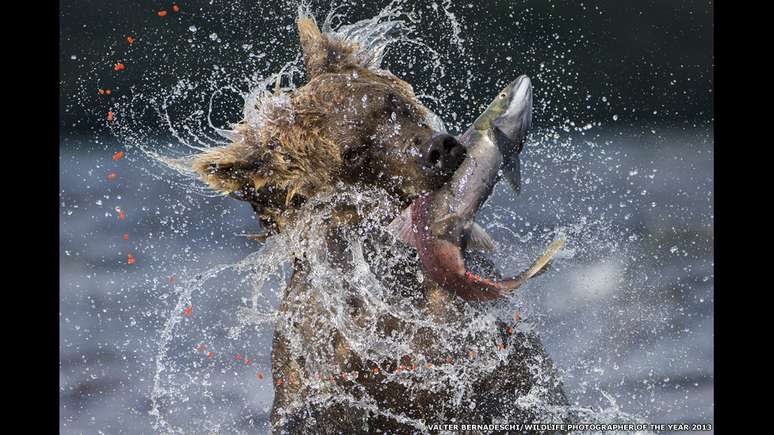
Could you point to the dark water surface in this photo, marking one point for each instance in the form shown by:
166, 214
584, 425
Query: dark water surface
634, 324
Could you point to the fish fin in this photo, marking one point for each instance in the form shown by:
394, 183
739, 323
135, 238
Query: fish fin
537, 268
512, 173
402, 227
544, 269
544, 259
438, 226
511, 163
479, 239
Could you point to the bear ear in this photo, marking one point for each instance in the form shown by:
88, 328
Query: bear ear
229, 169
323, 53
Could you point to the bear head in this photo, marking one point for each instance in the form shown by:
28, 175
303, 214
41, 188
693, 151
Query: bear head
350, 123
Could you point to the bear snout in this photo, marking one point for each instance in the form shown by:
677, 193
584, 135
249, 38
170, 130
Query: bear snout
443, 152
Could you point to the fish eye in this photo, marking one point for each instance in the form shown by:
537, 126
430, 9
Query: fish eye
502, 94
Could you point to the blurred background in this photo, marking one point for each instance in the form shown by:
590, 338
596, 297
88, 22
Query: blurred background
622, 149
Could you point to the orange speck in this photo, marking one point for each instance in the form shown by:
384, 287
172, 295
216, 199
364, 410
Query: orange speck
429, 365
260, 375
117, 156
248, 361
472, 354
175, 7
130, 40
238, 357
201, 347
501, 346
108, 92
121, 215
449, 359
101, 91
130, 259
210, 354
376, 370
187, 311
119, 67
517, 316
111, 115
112, 176
280, 381
162, 13
126, 236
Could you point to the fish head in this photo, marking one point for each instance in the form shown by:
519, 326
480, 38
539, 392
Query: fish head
507, 120
510, 112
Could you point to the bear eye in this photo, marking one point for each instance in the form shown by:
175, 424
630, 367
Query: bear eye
398, 105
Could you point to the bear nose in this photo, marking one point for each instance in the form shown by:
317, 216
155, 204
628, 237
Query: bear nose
443, 152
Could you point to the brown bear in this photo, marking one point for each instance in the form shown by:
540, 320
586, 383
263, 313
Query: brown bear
364, 341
